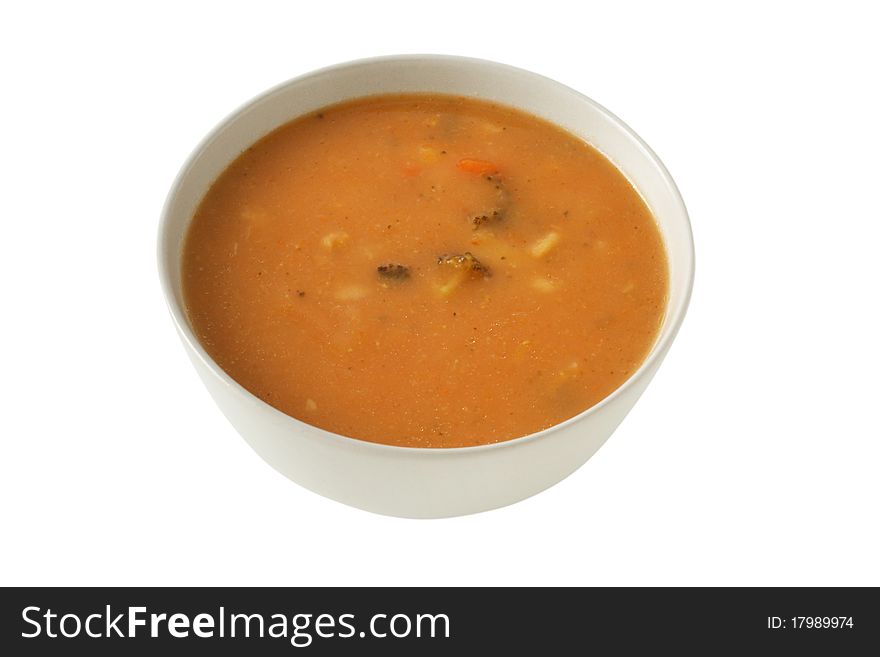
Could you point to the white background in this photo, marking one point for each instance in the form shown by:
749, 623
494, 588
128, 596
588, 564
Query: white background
754, 456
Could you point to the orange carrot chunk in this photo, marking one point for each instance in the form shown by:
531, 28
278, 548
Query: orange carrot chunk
477, 166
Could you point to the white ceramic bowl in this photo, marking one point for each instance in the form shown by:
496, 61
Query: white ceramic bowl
418, 482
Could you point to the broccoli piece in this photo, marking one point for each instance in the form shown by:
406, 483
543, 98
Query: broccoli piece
502, 204
393, 271
461, 267
480, 219
464, 262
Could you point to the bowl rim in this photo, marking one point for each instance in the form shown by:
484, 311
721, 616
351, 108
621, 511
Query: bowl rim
178, 313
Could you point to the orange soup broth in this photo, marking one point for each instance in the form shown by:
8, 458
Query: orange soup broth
281, 280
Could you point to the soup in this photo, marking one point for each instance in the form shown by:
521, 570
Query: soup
425, 271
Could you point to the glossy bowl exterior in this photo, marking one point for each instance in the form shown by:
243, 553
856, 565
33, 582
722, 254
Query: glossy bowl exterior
418, 482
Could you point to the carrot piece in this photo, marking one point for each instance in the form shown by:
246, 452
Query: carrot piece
476, 166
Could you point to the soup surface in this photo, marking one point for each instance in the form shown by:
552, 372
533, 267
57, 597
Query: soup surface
429, 271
